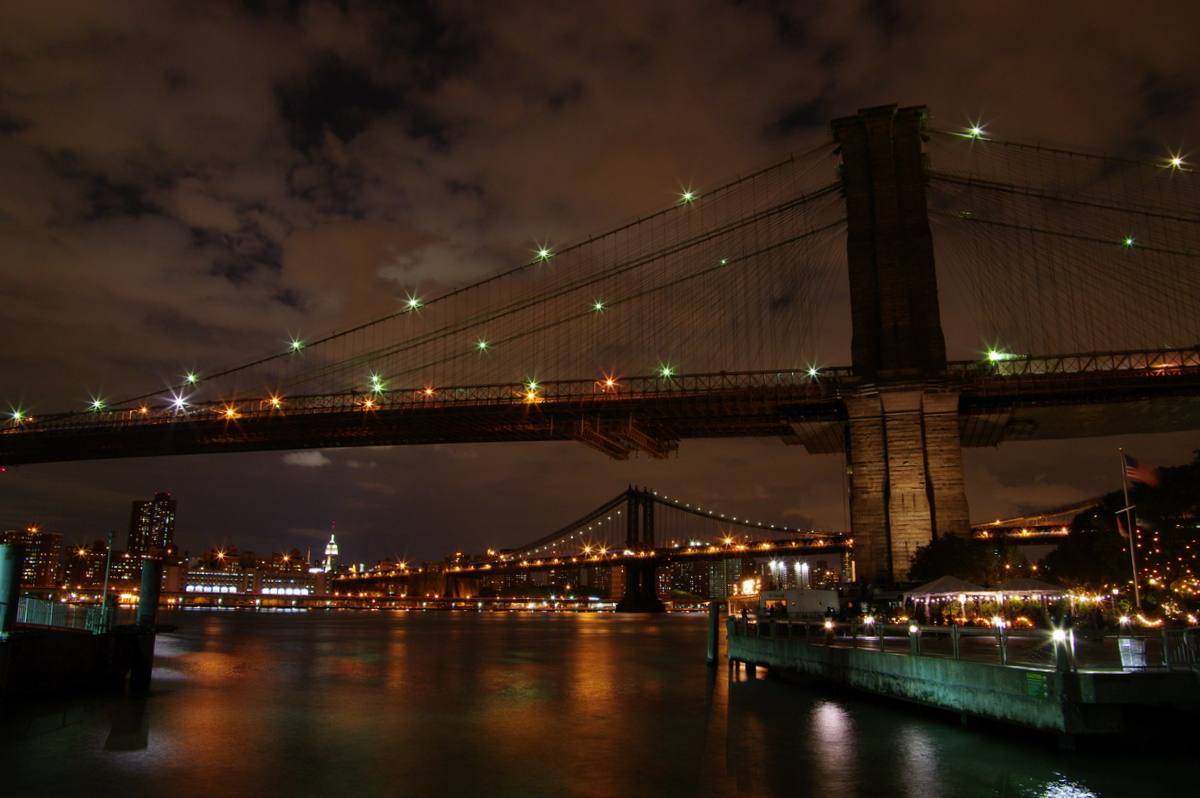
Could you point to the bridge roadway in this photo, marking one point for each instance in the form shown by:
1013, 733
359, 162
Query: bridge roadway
1026, 398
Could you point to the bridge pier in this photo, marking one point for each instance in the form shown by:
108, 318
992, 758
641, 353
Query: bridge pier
641, 578
904, 453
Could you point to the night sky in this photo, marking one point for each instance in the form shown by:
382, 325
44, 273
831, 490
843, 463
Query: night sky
186, 185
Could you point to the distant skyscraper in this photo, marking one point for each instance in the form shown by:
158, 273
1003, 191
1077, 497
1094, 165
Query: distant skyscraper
43, 550
331, 554
152, 526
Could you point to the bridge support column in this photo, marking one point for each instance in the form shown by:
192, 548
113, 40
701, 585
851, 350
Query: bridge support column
904, 454
641, 578
906, 484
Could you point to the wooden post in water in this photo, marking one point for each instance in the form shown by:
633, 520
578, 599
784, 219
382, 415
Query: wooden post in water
143, 631
714, 626
12, 562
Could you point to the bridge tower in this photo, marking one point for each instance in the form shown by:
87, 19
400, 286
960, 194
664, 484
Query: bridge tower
641, 578
903, 450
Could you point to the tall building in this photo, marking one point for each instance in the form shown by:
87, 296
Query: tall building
43, 550
331, 555
152, 527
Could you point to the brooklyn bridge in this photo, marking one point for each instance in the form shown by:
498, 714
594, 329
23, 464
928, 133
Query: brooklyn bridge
1000, 292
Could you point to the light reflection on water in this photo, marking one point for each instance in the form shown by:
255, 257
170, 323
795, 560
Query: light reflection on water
505, 704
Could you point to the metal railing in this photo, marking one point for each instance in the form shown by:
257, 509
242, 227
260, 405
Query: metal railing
33, 611
1045, 649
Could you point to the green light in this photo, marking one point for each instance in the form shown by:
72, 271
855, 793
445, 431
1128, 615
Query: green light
976, 131
532, 385
297, 345
723, 261
688, 196
97, 404
544, 254
1129, 241
192, 379
376, 383
666, 372
482, 345
812, 371
16, 416
597, 306
413, 303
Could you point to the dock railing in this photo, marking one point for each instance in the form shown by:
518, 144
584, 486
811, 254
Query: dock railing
1124, 649
33, 611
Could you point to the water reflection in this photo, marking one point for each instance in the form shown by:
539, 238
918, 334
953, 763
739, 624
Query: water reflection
920, 759
508, 704
831, 731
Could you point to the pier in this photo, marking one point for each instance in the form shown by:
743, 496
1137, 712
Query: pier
1073, 684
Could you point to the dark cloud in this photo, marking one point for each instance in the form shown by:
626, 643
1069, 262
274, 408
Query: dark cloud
335, 98
9, 124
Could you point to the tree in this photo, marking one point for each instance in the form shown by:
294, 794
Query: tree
980, 561
1096, 555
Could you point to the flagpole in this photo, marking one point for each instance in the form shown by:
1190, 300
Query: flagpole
1137, 595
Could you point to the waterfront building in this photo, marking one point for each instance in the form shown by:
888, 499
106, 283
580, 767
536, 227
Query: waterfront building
689, 576
152, 527
84, 566
723, 576
43, 551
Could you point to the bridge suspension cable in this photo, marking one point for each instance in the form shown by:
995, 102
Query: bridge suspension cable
726, 279
677, 524
1060, 251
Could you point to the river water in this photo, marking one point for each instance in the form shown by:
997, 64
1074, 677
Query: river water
519, 704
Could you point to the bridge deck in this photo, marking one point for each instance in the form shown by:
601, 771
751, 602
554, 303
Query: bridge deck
1029, 399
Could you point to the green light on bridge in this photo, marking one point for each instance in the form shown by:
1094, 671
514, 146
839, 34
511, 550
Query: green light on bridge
192, 378
412, 303
297, 345
597, 306
376, 383
1129, 241
688, 196
666, 372
481, 345
97, 404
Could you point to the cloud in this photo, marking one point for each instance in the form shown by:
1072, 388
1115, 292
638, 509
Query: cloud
309, 459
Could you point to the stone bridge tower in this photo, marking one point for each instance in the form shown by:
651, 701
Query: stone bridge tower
904, 453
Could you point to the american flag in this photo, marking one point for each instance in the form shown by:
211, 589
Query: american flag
1137, 471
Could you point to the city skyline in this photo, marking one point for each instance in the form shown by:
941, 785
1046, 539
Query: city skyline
188, 187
